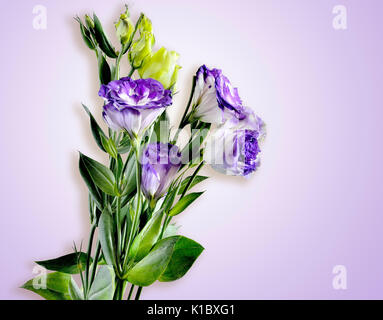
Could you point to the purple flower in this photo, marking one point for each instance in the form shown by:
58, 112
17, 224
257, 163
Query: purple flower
215, 99
160, 162
133, 105
233, 148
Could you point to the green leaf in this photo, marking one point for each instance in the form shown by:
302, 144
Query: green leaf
74, 291
169, 260
196, 180
65, 264
147, 238
119, 167
101, 175
182, 204
171, 230
172, 194
124, 146
102, 39
130, 182
86, 36
103, 285
51, 286
185, 253
97, 132
106, 236
109, 146
93, 190
104, 72
149, 269
161, 130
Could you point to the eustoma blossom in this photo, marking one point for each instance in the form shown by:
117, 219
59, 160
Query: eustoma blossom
214, 99
160, 162
133, 105
233, 148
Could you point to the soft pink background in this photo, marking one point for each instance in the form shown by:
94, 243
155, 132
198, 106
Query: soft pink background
316, 202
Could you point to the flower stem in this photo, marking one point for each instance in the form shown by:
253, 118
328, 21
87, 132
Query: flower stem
95, 263
138, 294
130, 292
118, 225
131, 72
136, 145
184, 117
89, 253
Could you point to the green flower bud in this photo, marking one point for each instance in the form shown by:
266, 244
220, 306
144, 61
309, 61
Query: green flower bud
141, 49
161, 66
89, 22
145, 25
124, 28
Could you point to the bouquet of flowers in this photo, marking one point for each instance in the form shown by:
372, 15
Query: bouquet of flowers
150, 171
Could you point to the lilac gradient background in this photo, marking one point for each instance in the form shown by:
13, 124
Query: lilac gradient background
316, 201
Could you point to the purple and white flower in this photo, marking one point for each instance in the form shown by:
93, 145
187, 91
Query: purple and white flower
160, 163
215, 100
133, 105
233, 148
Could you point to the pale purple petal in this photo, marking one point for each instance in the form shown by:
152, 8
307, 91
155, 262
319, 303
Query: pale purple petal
160, 162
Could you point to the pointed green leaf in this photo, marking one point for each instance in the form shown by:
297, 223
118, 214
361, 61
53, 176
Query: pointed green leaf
124, 145
66, 264
102, 39
106, 236
51, 286
182, 204
86, 36
171, 230
93, 190
104, 73
169, 260
102, 176
103, 285
148, 236
109, 146
130, 176
74, 291
172, 194
119, 167
149, 269
185, 253
196, 180
97, 132
161, 130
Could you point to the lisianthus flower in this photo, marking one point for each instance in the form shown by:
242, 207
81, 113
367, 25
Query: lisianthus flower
215, 100
161, 66
133, 105
233, 148
124, 27
142, 47
160, 163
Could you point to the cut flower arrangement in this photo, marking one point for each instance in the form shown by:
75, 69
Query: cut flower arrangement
150, 173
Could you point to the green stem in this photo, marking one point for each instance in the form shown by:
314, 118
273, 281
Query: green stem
164, 226
89, 253
95, 262
117, 67
136, 145
117, 218
130, 292
138, 294
183, 122
117, 289
131, 72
